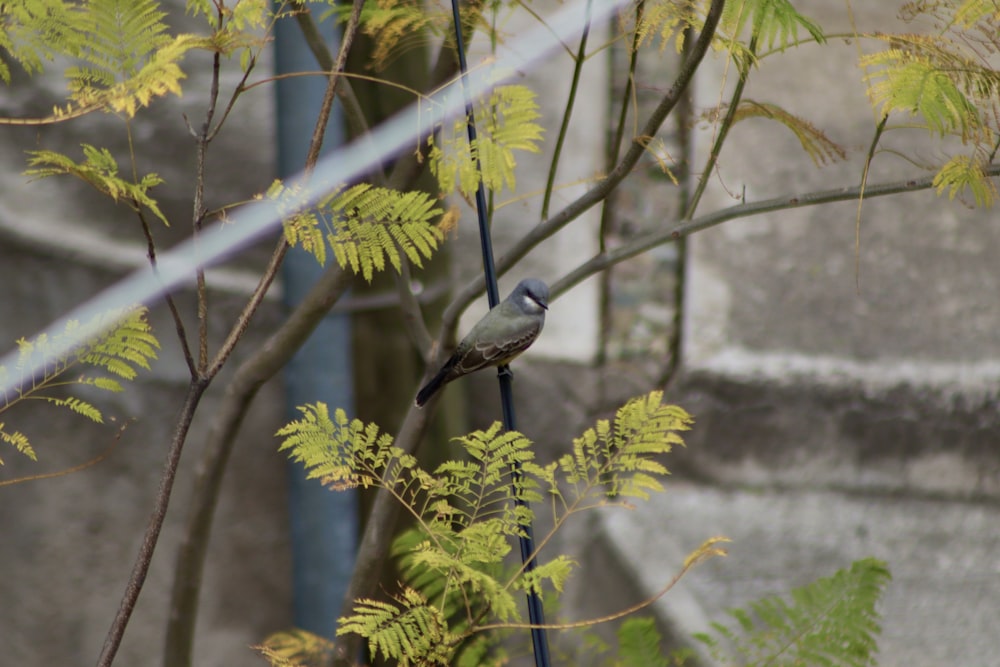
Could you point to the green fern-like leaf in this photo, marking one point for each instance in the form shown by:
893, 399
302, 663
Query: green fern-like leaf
639, 643
622, 456
295, 648
100, 170
820, 148
406, 629
906, 80
117, 343
127, 57
36, 31
771, 22
505, 124
397, 27
962, 173
78, 406
831, 622
19, 441
345, 453
371, 225
665, 21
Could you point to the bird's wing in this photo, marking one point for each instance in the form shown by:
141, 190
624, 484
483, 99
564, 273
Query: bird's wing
502, 347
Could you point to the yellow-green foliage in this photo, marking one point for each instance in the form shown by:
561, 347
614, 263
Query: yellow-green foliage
469, 510
118, 344
505, 123
947, 80
398, 26
768, 23
963, 172
366, 226
296, 648
831, 622
100, 170
817, 145
122, 52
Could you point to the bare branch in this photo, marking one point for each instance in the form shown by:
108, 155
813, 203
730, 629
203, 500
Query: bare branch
270, 358
641, 244
141, 567
547, 228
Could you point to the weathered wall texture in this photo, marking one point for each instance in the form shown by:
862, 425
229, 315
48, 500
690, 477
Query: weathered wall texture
67, 544
832, 422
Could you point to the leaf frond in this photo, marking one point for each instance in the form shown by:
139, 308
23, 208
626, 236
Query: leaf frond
831, 622
964, 173
820, 148
117, 343
295, 648
505, 123
623, 456
99, 169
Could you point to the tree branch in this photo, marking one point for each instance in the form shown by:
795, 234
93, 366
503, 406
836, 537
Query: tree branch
547, 228
268, 360
141, 567
641, 244
249, 377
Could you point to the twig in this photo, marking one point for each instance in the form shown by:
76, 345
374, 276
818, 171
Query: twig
141, 567
268, 360
72, 469
578, 61
547, 228
639, 245
249, 377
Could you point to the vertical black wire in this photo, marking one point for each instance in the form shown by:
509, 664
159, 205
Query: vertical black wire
536, 614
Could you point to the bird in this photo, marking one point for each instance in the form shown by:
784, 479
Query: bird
503, 333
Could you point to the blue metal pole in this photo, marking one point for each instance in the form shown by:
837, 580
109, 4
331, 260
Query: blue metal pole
323, 523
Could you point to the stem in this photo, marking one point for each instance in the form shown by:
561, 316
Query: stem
268, 360
249, 377
608, 208
685, 119
141, 567
603, 260
581, 52
545, 229
724, 128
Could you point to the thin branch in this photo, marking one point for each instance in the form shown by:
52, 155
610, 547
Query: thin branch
198, 210
72, 469
572, 211
249, 309
574, 85
249, 377
141, 567
319, 129
639, 245
723, 132
267, 360
413, 318
169, 298
869, 156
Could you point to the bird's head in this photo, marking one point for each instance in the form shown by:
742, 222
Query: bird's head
531, 295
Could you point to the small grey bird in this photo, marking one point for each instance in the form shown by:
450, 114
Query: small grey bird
503, 333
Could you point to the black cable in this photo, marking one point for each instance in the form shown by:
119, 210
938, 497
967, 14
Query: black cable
536, 614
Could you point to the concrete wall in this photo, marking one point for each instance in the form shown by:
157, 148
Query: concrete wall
67, 544
831, 423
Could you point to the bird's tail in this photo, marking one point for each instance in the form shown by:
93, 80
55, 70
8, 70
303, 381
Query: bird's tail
431, 387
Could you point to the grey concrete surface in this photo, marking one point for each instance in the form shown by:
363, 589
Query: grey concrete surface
838, 414
67, 544
831, 424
